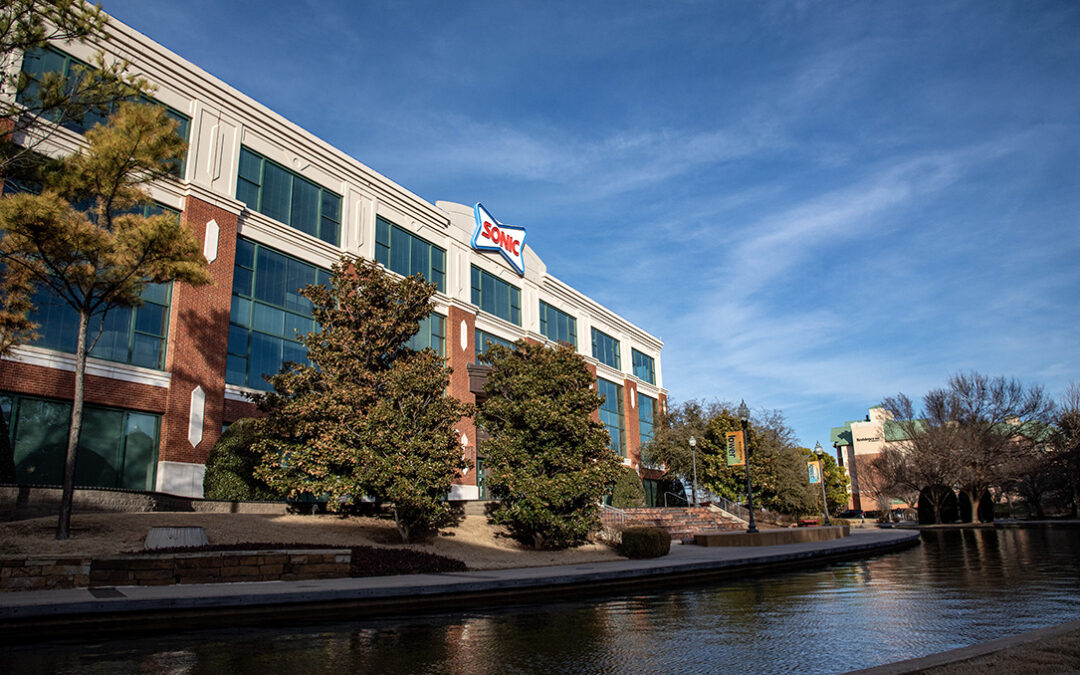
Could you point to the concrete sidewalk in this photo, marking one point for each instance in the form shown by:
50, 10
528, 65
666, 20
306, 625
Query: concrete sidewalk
37, 614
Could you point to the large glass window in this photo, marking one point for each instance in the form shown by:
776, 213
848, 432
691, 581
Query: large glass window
605, 349
432, 334
484, 340
134, 335
268, 314
405, 253
495, 296
38, 62
646, 409
557, 325
644, 366
271, 189
117, 448
611, 414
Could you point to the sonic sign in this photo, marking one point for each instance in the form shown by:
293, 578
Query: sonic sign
491, 235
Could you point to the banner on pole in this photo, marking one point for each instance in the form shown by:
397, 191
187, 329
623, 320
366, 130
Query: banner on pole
736, 448
814, 468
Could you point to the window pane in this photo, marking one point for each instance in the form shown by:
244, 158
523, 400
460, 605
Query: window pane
276, 192
250, 166
297, 326
268, 319
240, 311
330, 232
301, 275
236, 370
271, 277
265, 359
241, 281
305, 207
420, 262
331, 206
245, 253
140, 452
99, 462
150, 319
248, 193
40, 440
238, 339
158, 293
112, 344
146, 351
400, 250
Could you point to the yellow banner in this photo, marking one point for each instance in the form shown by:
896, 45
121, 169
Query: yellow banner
736, 448
814, 469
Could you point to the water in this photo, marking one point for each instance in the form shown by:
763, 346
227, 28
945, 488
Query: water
960, 587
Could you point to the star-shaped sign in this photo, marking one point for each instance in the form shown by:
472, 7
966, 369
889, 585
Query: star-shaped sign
491, 235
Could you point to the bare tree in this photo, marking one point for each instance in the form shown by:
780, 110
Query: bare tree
1065, 442
968, 434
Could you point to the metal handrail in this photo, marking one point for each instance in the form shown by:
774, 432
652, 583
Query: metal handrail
677, 496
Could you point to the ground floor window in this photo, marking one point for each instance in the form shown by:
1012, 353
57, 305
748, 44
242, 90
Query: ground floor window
117, 448
652, 492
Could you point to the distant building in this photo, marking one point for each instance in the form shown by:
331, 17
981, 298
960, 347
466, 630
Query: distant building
274, 207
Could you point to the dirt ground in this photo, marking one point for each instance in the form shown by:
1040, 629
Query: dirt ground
479, 545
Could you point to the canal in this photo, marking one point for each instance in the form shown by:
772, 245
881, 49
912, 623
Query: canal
958, 588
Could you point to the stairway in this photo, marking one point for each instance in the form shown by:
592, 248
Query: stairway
681, 523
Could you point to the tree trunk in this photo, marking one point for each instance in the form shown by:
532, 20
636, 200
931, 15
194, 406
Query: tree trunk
974, 501
402, 529
63, 527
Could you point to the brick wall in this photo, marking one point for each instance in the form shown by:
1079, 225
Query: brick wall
34, 380
460, 325
198, 340
632, 428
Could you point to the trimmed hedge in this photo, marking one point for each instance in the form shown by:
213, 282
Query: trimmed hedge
644, 542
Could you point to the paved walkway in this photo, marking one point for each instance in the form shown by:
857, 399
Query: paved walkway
84, 610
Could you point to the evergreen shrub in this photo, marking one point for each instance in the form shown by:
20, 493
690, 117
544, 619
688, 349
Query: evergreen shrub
644, 542
230, 468
628, 492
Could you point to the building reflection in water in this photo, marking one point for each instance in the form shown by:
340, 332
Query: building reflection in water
958, 588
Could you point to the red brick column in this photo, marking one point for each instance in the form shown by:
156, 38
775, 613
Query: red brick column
460, 330
632, 427
198, 341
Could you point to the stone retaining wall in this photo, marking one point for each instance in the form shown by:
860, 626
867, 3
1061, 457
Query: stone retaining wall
40, 573
18, 502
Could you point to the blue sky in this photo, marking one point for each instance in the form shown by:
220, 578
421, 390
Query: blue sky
814, 204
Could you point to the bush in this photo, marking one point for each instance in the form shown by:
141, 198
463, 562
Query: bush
230, 468
628, 492
644, 542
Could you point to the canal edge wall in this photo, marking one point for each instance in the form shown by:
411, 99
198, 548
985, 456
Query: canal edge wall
39, 615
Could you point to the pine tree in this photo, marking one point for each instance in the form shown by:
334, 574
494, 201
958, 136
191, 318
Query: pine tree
369, 416
549, 460
102, 255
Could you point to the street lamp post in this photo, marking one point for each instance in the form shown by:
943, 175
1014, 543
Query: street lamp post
693, 460
821, 457
744, 417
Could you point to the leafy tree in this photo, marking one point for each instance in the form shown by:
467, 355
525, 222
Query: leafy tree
26, 25
100, 257
369, 415
837, 487
968, 433
231, 465
549, 460
670, 445
628, 492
